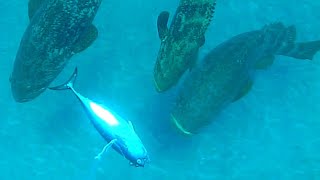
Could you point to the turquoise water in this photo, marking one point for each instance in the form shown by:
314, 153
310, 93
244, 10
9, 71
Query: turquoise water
272, 133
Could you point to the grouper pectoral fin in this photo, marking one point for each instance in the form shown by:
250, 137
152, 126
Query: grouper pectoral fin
202, 41
193, 59
86, 39
244, 90
264, 62
33, 6
162, 25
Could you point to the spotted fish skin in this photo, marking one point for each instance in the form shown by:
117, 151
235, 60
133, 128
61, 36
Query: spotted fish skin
226, 73
181, 42
58, 29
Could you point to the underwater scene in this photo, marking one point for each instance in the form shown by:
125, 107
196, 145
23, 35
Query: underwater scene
160, 90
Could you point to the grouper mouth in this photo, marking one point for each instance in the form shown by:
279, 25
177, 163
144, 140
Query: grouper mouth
24, 93
163, 83
179, 126
157, 86
22, 97
160, 88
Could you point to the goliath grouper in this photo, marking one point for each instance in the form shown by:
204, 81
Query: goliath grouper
180, 44
58, 29
226, 73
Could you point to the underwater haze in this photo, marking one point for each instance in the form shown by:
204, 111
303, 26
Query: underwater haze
271, 133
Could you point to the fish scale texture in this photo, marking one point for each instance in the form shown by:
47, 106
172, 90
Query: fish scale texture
272, 133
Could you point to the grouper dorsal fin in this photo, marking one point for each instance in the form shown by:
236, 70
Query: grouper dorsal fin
33, 6
162, 25
86, 39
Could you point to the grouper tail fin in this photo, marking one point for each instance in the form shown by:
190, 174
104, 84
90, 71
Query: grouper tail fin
68, 84
304, 50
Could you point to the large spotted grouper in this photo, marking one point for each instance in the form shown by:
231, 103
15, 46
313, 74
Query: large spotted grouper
226, 73
58, 29
181, 42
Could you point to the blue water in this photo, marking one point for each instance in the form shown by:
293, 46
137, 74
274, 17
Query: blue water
273, 133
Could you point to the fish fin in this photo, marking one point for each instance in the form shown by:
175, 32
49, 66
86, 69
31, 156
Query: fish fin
193, 60
244, 91
202, 41
68, 84
291, 35
265, 62
86, 39
302, 50
33, 6
179, 127
305, 50
289, 42
162, 25
105, 148
131, 126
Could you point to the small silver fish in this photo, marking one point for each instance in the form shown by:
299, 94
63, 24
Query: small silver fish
118, 132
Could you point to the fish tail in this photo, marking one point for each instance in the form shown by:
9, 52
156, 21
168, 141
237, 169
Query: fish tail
304, 50
68, 84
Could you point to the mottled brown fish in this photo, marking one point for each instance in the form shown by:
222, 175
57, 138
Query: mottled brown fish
225, 74
58, 29
181, 42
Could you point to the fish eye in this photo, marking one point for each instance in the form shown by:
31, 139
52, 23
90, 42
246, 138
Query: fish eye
139, 161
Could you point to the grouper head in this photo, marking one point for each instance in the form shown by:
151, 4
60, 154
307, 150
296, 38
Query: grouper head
169, 68
176, 55
22, 93
24, 89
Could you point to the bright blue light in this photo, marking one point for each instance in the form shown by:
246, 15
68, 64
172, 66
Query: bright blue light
104, 114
